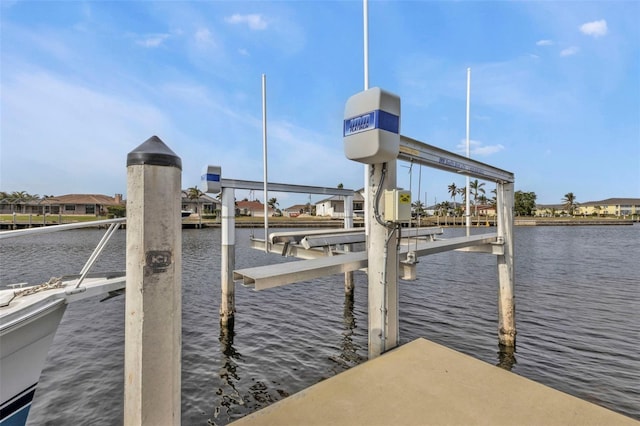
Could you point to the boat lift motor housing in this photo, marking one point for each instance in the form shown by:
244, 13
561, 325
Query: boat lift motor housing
210, 180
371, 130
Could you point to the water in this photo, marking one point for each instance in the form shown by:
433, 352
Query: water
578, 304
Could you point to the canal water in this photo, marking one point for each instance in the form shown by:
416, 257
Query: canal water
577, 302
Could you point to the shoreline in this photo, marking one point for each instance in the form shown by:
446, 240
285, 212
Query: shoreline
189, 223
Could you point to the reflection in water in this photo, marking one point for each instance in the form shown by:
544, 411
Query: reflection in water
349, 349
228, 371
506, 357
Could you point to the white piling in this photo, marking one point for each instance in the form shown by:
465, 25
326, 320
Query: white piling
153, 322
382, 268
228, 257
506, 297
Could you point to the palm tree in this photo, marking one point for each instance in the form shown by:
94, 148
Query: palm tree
453, 190
194, 193
596, 210
569, 203
22, 198
418, 207
476, 188
273, 202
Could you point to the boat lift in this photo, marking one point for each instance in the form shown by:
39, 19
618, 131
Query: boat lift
323, 251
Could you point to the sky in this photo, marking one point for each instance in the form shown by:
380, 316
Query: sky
555, 91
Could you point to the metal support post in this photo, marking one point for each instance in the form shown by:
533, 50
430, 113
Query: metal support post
382, 266
506, 297
153, 323
228, 257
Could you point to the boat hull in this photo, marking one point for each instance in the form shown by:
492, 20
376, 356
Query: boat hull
23, 353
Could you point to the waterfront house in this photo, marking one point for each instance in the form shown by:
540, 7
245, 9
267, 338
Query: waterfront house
205, 204
296, 210
613, 207
619, 207
70, 204
252, 208
333, 207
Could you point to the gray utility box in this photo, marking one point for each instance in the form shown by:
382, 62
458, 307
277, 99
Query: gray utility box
371, 130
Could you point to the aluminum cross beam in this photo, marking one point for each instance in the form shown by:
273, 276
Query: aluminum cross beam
421, 153
283, 187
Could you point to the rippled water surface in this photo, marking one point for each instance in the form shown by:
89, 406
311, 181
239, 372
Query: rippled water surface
578, 304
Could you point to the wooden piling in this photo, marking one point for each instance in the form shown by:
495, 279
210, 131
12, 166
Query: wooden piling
153, 298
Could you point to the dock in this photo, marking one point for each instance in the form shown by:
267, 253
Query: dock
424, 383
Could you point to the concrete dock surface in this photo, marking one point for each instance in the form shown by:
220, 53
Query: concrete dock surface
423, 383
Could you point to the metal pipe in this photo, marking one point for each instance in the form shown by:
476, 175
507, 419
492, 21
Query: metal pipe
264, 161
97, 251
56, 228
468, 209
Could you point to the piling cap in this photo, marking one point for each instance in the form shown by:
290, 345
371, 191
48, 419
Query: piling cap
154, 152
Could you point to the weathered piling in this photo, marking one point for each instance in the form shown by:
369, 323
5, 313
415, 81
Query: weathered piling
228, 257
506, 297
153, 298
382, 270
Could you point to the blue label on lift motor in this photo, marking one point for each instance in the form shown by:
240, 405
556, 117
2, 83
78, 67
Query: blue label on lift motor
211, 177
377, 119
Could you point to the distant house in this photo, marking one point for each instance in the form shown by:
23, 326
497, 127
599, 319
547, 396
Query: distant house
618, 207
70, 204
252, 208
296, 210
203, 205
334, 206
610, 207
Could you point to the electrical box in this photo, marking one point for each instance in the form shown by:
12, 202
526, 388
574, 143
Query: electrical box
210, 180
397, 205
371, 128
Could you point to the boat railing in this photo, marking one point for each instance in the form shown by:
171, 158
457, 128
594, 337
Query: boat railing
114, 224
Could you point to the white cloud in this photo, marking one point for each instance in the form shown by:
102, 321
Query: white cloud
254, 21
595, 28
476, 148
204, 37
153, 40
569, 51
544, 43
93, 130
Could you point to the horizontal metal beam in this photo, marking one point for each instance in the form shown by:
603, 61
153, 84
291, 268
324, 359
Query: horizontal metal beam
289, 250
263, 277
439, 246
55, 228
421, 153
297, 236
283, 187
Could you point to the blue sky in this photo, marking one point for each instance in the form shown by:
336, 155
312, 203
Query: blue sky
555, 90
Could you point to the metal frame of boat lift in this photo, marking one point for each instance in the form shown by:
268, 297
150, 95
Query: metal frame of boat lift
317, 264
326, 259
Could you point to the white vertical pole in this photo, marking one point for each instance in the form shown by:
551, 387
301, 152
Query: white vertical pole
506, 297
367, 167
264, 161
153, 304
228, 258
468, 190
